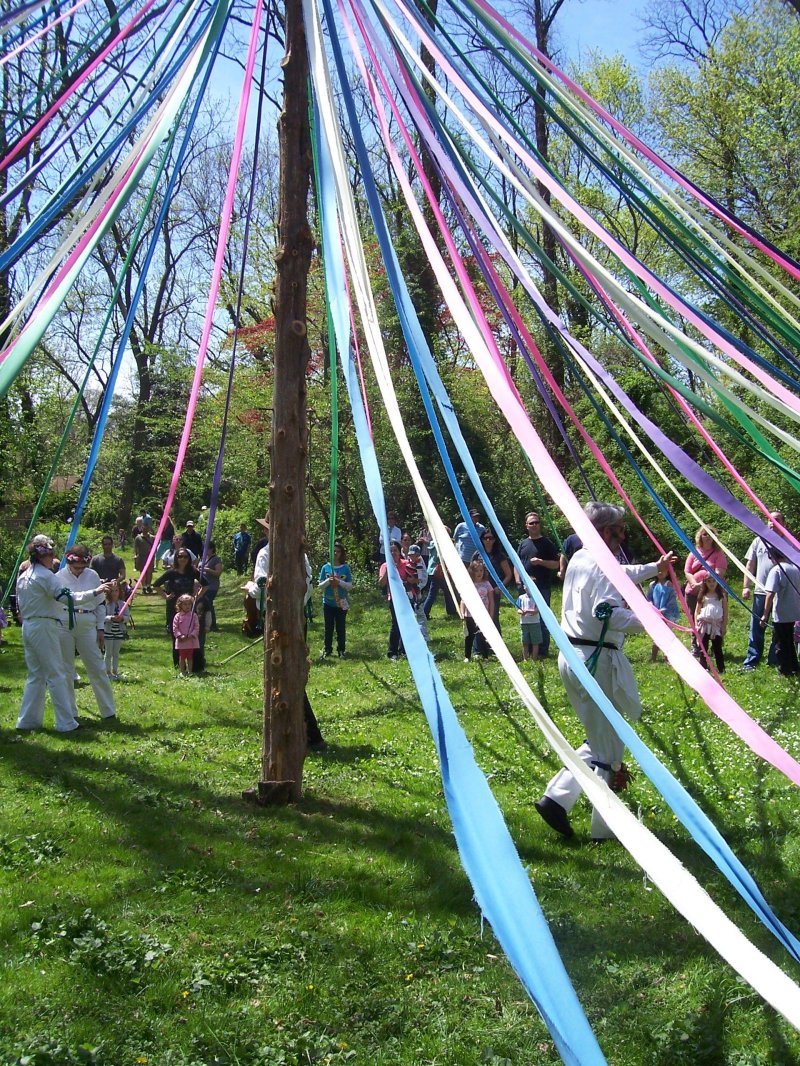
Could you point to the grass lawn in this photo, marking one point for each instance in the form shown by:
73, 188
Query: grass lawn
149, 916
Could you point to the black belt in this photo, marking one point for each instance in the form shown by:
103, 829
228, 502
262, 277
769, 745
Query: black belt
579, 642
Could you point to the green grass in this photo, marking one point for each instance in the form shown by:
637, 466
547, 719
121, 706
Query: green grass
150, 916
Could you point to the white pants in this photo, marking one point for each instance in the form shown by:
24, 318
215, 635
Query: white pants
41, 638
602, 743
112, 656
83, 640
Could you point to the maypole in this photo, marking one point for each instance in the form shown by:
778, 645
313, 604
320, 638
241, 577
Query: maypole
285, 654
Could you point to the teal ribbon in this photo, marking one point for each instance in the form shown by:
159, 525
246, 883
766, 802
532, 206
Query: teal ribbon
67, 594
602, 612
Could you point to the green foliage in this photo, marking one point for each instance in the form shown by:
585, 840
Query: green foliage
732, 122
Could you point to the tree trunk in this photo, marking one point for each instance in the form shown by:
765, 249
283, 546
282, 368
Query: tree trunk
285, 653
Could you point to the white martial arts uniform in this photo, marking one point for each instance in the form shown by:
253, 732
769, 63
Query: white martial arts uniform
585, 587
89, 621
261, 569
42, 615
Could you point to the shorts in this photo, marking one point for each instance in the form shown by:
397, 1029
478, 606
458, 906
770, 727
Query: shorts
531, 633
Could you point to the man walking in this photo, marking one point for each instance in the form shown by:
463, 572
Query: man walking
595, 620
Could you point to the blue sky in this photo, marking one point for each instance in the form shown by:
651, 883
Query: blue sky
608, 25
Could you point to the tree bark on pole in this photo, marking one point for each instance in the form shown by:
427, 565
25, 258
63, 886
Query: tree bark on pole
285, 652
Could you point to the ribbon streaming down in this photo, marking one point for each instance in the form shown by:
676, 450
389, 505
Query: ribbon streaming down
13, 17
676, 884
90, 168
130, 319
692, 470
216, 278
757, 239
667, 216
502, 888
99, 219
40, 32
772, 392
217, 478
685, 808
89, 163
678, 655
54, 107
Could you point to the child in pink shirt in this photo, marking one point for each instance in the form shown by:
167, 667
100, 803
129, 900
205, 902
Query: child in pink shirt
186, 630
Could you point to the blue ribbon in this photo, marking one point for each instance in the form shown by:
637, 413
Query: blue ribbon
683, 806
221, 17
501, 885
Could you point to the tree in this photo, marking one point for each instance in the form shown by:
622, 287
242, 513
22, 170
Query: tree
732, 121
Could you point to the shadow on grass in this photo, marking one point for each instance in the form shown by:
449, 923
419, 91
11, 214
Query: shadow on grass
169, 822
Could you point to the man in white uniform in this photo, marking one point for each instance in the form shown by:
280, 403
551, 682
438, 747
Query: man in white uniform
38, 595
588, 597
87, 635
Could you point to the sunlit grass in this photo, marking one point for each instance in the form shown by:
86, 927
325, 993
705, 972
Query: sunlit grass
150, 916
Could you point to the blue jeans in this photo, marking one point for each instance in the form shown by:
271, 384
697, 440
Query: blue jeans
544, 647
433, 590
755, 647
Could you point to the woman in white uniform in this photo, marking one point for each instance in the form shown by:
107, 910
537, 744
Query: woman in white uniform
39, 593
86, 636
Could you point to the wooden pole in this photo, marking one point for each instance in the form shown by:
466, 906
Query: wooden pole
285, 652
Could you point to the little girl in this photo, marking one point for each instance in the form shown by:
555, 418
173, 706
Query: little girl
477, 571
711, 619
186, 630
663, 597
115, 627
530, 626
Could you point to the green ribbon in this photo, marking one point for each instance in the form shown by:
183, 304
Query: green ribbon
67, 595
262, 584
602, 612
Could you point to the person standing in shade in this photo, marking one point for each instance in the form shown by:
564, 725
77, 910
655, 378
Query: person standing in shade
595, 620
758, 566
262, 541
539, 558
336, 581
142, 546
395, 648
180, 580
165, 544
168, 558
395, 533
436, 581
241, 548
571, 544
109, 566
39, 593
186, 631
192, 539
463, 538
211, 570
84, 633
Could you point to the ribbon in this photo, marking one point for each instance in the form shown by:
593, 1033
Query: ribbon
736, 947
66, 594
